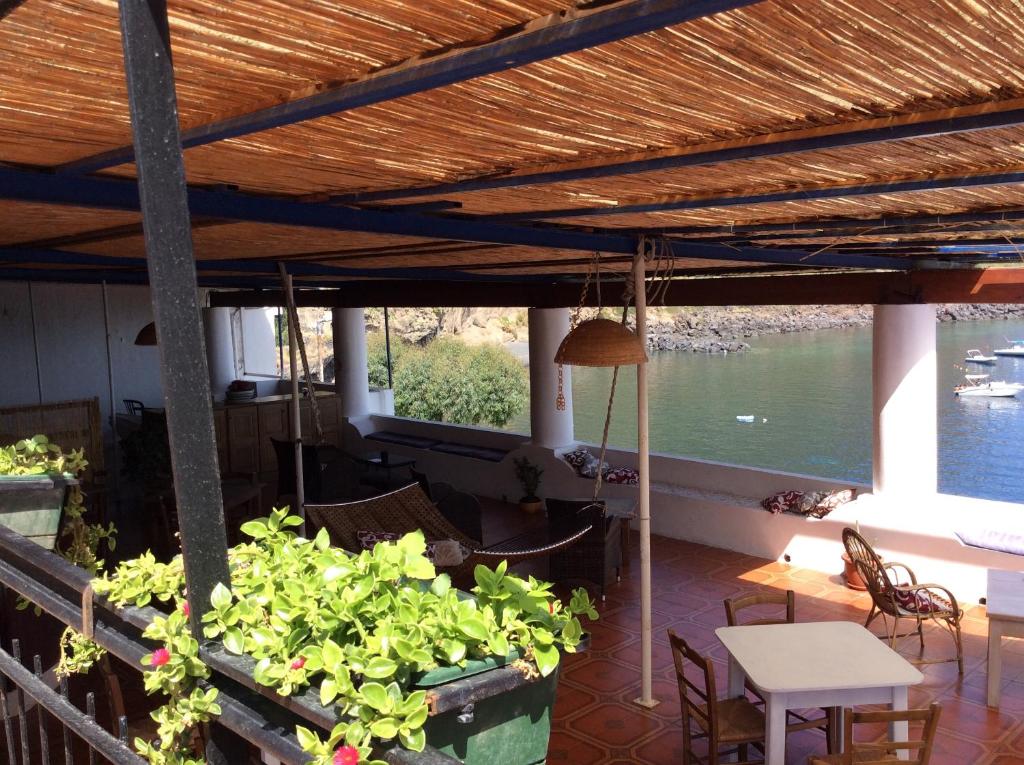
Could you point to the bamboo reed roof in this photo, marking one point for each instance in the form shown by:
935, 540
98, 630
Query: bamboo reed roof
564, 133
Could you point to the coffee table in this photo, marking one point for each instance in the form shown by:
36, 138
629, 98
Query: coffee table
1005, 608
815, 664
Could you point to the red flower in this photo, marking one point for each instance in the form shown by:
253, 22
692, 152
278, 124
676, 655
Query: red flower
299, 663
346, 755
184, 608
160, 657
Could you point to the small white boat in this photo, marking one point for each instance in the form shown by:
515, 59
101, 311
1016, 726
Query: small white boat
744, 418
978, 386
975, 356
1016, 349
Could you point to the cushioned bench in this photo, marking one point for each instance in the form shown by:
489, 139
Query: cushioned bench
466, 450
404, 439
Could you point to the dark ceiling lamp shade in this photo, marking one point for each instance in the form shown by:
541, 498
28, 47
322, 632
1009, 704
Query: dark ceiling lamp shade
601, 343
147, 335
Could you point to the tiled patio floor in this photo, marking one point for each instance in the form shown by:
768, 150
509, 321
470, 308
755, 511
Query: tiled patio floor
596, 723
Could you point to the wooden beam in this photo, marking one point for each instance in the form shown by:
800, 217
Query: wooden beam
804, 194
557, 34
992, 285
930, 124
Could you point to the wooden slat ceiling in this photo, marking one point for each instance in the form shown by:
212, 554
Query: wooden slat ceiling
771, 68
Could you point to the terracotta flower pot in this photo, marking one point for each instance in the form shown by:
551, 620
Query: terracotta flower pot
852, 575
531, 504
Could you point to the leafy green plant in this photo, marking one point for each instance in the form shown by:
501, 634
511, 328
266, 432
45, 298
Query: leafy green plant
449, 381
528, 474
358, 628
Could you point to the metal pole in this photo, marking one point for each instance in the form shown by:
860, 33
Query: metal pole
172, 278
643, 467
35, 341
387, 347
115, 480
293, 360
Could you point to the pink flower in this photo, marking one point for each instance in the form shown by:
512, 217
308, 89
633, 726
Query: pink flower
346, 755
184, 608
160, 657
299, 663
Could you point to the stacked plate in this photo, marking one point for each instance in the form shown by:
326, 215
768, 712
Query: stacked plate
241, 390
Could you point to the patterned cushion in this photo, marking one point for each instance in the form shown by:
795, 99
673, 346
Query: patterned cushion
782, 501
622, 475
818, 504
577, 458
441, 552
921, 601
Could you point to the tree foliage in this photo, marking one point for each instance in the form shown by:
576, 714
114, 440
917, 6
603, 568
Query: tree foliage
449, 381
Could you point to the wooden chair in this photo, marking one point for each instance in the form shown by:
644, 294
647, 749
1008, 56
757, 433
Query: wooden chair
885, 752
828, 723
895, 599
735, 723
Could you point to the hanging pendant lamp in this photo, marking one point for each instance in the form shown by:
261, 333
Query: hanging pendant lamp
601, 343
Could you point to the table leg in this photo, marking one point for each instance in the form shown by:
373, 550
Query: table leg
775, 729
995, 660
737, 677
900, 730
624, 537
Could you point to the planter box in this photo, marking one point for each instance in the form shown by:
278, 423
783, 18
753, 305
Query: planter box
32, 505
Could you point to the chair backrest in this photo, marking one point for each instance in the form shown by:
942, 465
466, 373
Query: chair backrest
285, 453
874, 753
869, 566
785, 598
565, 516
422, 480
133, 406
695, 677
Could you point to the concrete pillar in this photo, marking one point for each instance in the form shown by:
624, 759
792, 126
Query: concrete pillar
220, 350
351, 377
905, 400
549, 427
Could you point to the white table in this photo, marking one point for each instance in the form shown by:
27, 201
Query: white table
1005, 609
818, 664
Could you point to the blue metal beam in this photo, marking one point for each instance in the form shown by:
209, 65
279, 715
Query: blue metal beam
798, 195
560, 33
755, 148
117, 194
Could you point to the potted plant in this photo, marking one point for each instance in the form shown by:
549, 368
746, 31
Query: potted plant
374, 635
528, 475
35, 478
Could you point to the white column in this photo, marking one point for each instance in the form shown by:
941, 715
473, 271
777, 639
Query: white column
220, 350
351, 377
905, 400
549, 426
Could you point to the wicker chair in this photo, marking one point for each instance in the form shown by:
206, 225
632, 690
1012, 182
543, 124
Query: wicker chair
408, 509
828, 722
884, 752
598, 556
898, 600
723, 722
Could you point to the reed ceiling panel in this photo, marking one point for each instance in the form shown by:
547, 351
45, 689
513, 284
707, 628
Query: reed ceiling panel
22, 222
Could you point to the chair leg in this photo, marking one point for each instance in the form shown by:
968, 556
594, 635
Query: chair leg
959, 646
832, 730
874, 612
743, 753
895, 632
920, 632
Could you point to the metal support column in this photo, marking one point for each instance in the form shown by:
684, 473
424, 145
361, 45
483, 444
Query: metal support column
149, 71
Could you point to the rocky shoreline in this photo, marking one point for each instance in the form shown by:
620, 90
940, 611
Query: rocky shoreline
728, 328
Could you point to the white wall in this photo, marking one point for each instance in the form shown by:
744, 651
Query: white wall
69, 327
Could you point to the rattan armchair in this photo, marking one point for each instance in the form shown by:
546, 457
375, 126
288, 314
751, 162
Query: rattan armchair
795, 721
885, 751
734, 723
598, 556
896, 600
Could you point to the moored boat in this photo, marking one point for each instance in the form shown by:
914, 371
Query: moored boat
1016, 349
979, 386
975, 356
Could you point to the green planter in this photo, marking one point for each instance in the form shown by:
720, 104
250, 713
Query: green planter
32, 505
511, 728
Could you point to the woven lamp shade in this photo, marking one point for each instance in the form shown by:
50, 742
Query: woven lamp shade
601, 343
147, 335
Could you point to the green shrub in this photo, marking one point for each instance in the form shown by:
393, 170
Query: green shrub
449, 381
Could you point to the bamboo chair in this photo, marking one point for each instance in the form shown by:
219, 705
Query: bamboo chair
884, 752
408, 509
897, 600
828, 723
736, 723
